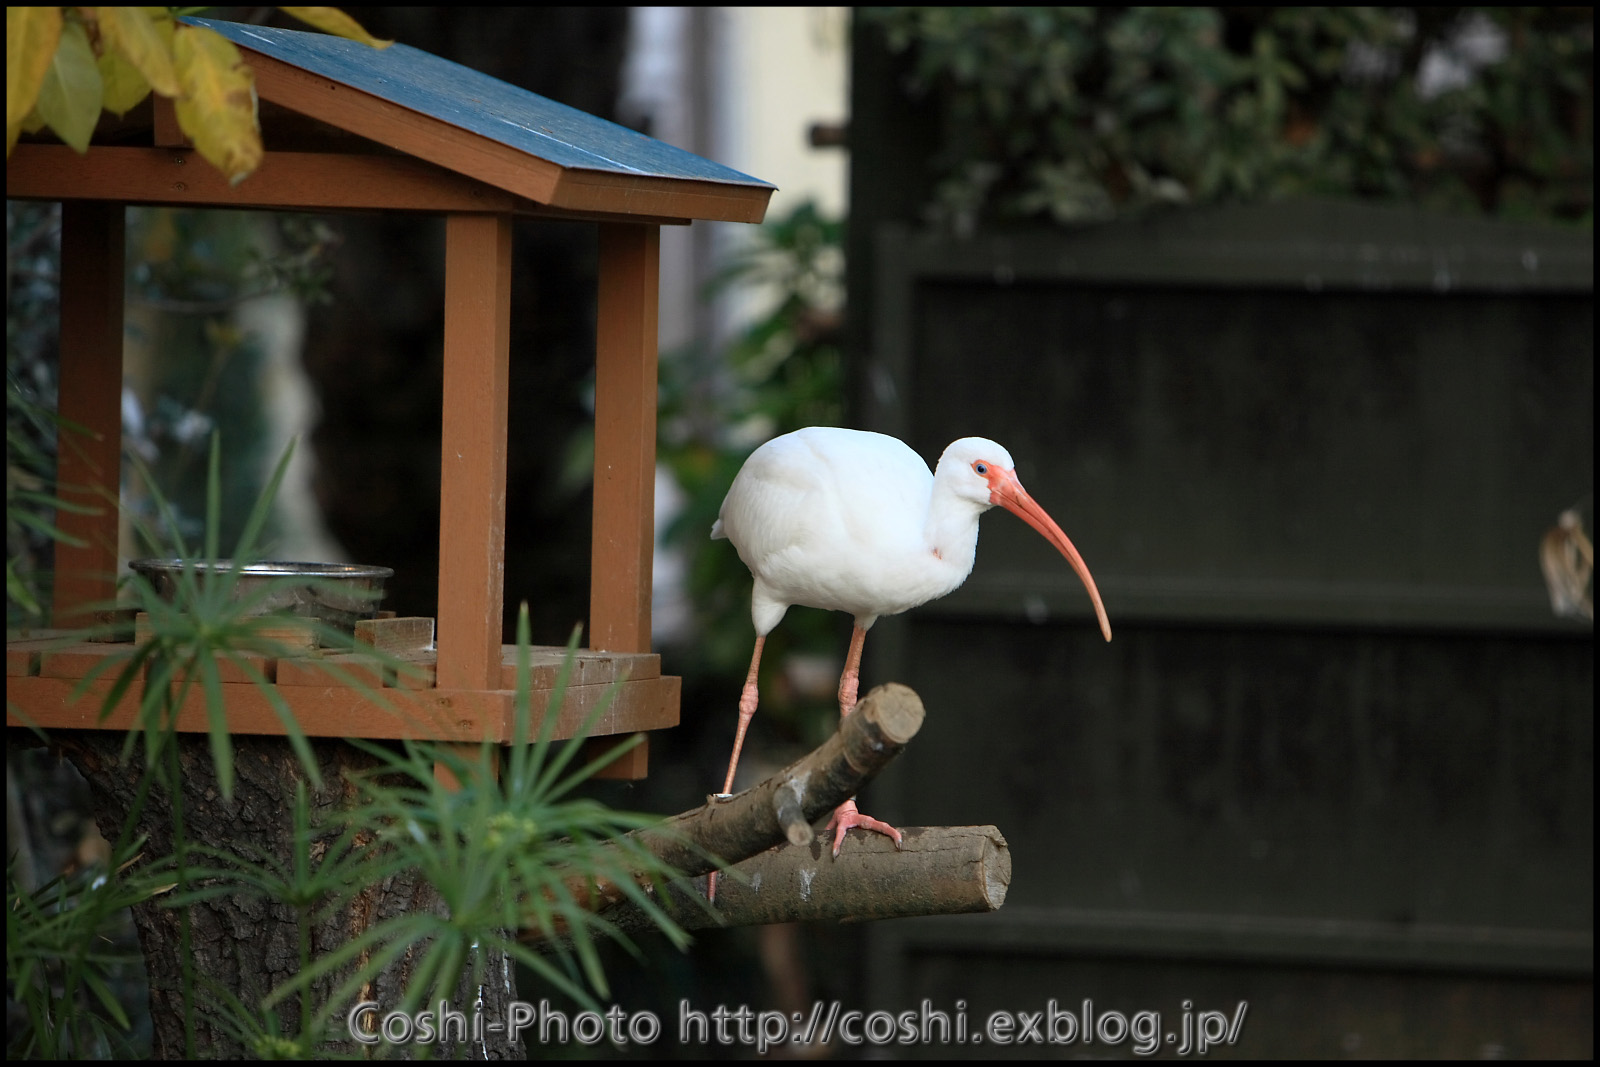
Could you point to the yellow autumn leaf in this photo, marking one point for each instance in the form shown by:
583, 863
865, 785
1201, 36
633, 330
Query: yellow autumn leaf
217, 108
332, 20
69, 95
122, 86
32, 35
132, 33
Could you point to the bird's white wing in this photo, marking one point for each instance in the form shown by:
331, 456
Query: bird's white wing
824, 500
772, 501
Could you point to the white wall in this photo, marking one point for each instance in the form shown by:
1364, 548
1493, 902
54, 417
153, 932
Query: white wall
741, 86
788, 68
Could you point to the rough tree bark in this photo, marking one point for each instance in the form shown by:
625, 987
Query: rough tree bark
246, 945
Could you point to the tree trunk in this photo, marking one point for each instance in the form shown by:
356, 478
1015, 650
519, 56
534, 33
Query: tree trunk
243, 945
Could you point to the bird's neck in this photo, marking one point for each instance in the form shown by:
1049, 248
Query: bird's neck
952, 530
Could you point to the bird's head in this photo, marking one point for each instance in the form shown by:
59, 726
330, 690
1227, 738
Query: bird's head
981, 471
974, 467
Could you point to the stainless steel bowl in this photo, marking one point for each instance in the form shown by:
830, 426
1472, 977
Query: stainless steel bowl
339, 594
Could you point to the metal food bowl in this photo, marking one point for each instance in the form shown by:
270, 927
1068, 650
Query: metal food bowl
339, 594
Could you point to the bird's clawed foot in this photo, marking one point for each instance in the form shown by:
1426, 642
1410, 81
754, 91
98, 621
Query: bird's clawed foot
847, 816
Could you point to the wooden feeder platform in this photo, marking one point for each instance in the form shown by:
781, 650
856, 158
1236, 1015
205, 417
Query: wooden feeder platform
45, 673
351, 128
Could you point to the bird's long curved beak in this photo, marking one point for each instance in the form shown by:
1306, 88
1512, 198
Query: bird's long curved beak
1007, 491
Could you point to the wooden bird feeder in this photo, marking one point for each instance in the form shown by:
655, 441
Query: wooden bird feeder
411, 132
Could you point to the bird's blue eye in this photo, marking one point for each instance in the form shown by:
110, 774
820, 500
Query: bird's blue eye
981, 467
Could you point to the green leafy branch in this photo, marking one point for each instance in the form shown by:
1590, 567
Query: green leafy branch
1079, 114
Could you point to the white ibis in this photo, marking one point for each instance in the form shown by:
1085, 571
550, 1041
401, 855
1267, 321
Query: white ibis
852, 521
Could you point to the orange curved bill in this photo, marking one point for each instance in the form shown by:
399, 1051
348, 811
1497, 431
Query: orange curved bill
1007, 491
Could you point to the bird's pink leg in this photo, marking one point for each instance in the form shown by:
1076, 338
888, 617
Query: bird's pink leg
847, 816
747, 711
850, 680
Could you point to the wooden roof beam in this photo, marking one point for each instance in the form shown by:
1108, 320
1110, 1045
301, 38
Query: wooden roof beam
293, 181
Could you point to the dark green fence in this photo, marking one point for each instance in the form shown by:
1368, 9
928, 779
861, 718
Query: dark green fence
1338, 762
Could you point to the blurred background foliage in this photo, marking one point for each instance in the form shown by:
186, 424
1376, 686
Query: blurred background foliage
190, 367
33, 278
1077, 114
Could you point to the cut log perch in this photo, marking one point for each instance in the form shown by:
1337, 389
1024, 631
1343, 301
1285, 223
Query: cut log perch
740, 826
737, 827
939, 870
942, 870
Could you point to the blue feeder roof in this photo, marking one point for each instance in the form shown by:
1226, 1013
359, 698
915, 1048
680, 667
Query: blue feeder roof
611, 157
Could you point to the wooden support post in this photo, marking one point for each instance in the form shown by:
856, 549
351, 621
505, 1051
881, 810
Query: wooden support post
472, 473
168, 134
624, 438
89, 464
